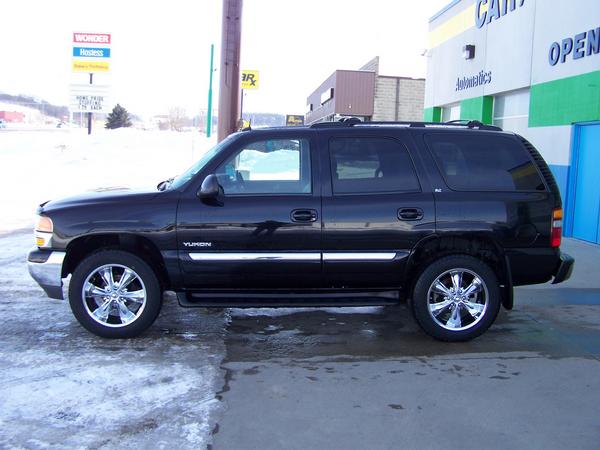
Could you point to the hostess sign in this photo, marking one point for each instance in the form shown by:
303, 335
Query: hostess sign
91, 52
88, 52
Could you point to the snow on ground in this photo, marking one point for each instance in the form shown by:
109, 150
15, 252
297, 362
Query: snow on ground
36, 166
62, 387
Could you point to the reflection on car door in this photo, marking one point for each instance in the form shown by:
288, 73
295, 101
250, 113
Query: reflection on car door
374, 209
267, 232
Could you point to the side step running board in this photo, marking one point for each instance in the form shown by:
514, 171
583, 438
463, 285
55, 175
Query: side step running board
271, 299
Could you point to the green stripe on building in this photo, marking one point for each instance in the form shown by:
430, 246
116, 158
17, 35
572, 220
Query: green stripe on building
478, 108
565, 101
432, 114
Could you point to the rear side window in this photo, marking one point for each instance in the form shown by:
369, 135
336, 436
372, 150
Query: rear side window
364, 165
483, 163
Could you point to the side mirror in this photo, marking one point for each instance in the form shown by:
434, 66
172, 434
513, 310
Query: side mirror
211, 191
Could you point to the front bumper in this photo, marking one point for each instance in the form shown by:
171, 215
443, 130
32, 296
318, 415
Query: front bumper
564, 269
45, 266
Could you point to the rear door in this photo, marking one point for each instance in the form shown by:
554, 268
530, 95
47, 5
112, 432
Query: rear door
267, 231
375, 208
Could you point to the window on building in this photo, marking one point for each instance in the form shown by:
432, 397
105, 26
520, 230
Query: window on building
471, 162
511, 111
361, 165
451, 112
278, 166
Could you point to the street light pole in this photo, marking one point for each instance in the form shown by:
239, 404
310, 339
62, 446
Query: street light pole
210, 93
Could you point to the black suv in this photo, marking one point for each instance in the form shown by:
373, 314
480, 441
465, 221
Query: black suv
447, 216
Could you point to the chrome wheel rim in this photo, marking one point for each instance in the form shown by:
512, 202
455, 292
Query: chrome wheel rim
457, 299
114, 295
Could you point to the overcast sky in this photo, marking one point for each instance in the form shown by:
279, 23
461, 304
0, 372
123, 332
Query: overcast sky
160, 49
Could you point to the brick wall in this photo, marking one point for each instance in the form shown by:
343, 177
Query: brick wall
412, 98
398, 99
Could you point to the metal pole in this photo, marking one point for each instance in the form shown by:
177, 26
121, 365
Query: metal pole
242, 107
209, 116
90, 114
229, 91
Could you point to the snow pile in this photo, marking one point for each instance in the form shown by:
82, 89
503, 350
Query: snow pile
36, 166
63, 387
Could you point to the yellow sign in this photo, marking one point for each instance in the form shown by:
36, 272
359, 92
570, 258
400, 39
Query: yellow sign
294, 120
90, 66
249, 79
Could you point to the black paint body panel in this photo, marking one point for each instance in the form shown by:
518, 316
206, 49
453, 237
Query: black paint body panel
517, 222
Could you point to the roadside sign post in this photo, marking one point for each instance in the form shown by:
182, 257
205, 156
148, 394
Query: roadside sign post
91, 54
90, 114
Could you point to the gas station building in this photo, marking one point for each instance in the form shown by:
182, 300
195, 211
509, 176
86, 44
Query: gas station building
532, 67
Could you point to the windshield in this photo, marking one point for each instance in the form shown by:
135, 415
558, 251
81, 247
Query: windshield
186, 176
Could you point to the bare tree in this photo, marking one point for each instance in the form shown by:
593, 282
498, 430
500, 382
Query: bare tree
177, 118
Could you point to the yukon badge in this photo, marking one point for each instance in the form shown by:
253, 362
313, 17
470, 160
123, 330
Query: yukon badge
197, 244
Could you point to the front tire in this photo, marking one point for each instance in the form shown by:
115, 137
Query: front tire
115, 294
456, 298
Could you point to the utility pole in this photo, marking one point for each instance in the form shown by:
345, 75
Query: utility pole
229, 92
209, 116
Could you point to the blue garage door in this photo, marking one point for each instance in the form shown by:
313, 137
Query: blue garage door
586, 214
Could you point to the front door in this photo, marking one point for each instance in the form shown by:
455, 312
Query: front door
374, 210
266, 231
586, 214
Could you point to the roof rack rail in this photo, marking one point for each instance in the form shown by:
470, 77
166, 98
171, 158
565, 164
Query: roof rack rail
354, 121
473, 124
343, 122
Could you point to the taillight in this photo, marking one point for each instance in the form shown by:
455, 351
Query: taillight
556, 231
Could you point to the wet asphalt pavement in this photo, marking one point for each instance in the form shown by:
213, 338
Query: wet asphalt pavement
312, 378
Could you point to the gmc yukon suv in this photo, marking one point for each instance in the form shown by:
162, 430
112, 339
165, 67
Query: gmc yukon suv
449, 217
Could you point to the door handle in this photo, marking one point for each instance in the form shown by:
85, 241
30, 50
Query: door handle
304, 215
410, 214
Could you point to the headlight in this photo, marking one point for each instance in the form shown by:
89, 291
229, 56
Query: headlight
43, 231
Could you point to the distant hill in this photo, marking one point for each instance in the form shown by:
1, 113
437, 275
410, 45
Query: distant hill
43, 106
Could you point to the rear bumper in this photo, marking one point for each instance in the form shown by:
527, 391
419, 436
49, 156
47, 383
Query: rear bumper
564, 268
45, 267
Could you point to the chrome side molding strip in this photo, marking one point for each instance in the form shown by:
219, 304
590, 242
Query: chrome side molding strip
358, 256
290, 256
213, 256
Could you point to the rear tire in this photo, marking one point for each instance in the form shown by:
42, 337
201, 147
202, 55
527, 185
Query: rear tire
115, 294
456, 298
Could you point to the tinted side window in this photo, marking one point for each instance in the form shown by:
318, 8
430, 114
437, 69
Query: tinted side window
483, 163
278, 166
362, 165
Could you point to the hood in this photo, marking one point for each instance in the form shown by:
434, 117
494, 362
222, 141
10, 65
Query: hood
99, 196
